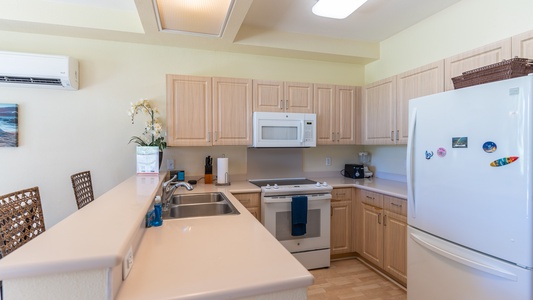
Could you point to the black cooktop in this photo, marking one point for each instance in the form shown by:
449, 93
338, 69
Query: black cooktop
282, 181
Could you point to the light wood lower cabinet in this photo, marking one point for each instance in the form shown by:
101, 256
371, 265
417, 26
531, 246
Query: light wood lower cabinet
395, 238
382, 233
341, 221
252, 202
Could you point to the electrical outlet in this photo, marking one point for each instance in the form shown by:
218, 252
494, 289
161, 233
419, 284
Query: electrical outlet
328, 161
127, 263
170, 164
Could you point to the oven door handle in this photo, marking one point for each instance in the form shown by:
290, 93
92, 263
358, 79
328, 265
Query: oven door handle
289, 199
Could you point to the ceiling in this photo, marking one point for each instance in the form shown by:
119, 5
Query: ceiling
284, 28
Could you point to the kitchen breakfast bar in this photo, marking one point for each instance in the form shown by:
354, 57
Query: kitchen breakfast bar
222, 257
219, 257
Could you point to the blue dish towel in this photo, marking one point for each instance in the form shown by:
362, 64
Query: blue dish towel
299, 215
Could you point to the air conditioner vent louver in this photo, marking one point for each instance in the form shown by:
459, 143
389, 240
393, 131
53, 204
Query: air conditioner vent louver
30, 80
38, 70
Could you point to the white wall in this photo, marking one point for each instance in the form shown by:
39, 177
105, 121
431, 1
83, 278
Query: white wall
64, 132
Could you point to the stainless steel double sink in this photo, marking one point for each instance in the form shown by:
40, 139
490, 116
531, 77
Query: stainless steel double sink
199, 205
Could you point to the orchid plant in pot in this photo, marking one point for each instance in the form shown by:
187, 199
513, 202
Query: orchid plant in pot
153, 130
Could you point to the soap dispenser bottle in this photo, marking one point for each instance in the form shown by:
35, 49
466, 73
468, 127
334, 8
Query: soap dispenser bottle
158, 210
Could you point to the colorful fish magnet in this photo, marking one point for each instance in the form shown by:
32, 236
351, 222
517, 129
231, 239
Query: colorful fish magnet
503, 161
489, 147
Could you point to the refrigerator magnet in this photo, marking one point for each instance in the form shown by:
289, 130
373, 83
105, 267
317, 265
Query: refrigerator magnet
460, 142
441, 152
429, 154
503, 161
489, 147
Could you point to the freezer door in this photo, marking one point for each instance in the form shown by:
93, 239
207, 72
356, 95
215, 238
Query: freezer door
469, 168
439, 270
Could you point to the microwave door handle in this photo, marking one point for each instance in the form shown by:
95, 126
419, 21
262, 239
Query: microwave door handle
302, 130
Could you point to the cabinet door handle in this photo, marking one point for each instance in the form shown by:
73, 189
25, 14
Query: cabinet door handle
338, 137
397, 135
333, 136
281, 104
385, 220
368, 197
286, 104
216, 136
209, 137
379, 218
397, 205
392, 135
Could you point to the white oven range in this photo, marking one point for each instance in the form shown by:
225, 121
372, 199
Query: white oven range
313, 248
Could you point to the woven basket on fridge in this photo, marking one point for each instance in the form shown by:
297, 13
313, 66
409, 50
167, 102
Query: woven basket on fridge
505, 69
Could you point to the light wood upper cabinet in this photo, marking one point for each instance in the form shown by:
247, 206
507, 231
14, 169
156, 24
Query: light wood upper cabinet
232, 111
279, 96
419, 82
336, 108
522, 45
205, 111
385, 109
189, 110
486, 55
378, 112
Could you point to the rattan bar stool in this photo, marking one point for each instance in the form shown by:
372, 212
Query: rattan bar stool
83, 188
21, 219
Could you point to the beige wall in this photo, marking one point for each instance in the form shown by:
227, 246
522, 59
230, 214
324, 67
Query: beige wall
63, 132
464, 26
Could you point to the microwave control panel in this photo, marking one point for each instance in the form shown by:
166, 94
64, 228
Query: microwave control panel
309, 129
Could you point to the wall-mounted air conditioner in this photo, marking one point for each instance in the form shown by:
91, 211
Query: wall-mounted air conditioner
38, 70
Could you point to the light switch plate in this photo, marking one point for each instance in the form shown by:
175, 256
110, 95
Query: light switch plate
127, 263
328, 161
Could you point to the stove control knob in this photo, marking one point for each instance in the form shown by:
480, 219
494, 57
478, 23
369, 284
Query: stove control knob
317, 184
276, 186
267, 186
325, 184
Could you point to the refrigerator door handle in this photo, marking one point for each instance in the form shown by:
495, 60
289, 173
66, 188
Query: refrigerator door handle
409, 166
464, 261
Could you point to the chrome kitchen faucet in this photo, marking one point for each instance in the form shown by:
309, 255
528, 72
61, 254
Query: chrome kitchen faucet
168, 190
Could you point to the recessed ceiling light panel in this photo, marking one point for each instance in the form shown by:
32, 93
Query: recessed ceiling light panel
336, 9
200, 17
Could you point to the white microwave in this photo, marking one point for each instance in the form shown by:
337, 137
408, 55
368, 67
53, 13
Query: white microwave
279, 130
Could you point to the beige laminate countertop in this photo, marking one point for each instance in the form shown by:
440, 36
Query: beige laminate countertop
225, 256
220, 257
383, 186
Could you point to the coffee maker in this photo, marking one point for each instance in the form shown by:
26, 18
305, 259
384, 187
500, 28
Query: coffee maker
364, 159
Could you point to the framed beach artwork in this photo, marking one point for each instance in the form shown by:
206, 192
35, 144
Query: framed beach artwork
9, 125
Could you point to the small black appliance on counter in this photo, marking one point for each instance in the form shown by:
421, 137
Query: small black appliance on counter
354, 171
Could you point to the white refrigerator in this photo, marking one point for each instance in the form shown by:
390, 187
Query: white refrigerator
469, 180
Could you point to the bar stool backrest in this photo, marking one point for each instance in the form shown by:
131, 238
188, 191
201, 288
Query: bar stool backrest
21, 219
83, 188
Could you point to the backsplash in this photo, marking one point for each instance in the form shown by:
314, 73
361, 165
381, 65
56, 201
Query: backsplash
250, 163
